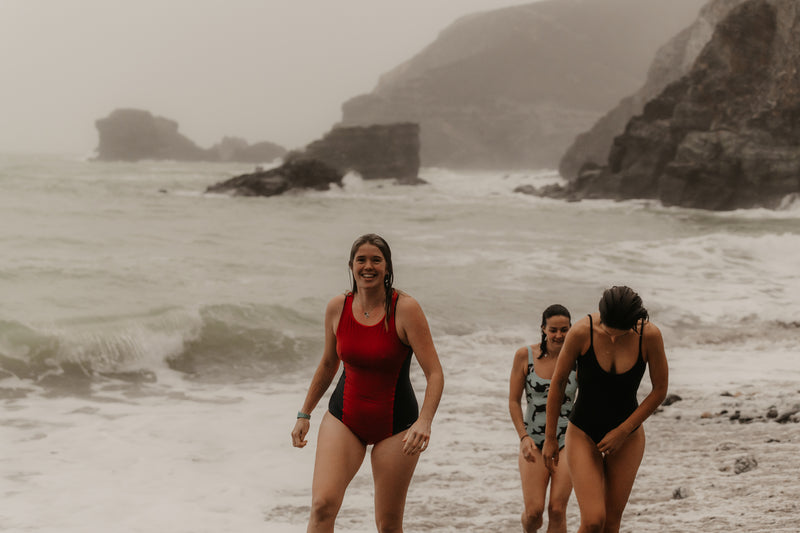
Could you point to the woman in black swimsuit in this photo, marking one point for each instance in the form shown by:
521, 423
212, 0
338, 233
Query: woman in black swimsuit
605, 440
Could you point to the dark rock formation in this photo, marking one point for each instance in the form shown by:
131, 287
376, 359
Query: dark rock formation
670, 399
672, 61
511, 88
134, 134
294, 174
379, 151
375, 152
745, 463
726, 135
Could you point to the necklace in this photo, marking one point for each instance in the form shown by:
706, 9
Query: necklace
613, 337
366, 313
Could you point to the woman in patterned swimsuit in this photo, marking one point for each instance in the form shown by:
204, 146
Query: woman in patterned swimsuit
374, 330
533, 366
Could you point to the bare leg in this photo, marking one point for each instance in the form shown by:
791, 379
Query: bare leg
586, 466
391, 471
560, 489
339, 456
621, 469
534, 489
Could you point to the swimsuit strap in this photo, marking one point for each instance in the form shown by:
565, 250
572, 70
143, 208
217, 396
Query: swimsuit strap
530, 357
641, 336
345, 311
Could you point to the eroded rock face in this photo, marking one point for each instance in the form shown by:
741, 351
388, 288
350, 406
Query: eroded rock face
379, 151
511, 88
672, 61
294, 174
135, 134
726, 135
389, 151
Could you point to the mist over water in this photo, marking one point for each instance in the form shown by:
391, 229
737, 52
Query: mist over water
263, 71
130, 269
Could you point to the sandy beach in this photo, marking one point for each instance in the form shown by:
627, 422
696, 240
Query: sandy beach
706, 468
713, 474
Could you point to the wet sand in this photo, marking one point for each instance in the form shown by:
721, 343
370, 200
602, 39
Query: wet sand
702, 471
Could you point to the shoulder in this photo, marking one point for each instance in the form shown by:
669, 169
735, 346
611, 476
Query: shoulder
581, 328
522, 353
651, 333
336, 304
407, 304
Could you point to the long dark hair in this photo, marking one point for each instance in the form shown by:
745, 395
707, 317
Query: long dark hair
381, 244
620, 308
553, 310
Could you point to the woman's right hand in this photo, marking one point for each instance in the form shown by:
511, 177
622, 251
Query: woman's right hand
299, 432
550, 453
526, 447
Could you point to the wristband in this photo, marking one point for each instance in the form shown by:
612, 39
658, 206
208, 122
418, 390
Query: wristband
522, 438
301, 414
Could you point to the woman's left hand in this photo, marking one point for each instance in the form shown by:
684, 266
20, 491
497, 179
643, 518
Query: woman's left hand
550, 454
613, 440
417, 437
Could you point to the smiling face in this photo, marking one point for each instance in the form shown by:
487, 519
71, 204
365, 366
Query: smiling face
555, 329
369, 267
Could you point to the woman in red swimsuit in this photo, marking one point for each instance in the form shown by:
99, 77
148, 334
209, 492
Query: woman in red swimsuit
605, 437
373, 330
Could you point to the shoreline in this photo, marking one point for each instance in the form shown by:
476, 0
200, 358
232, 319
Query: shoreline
700, 472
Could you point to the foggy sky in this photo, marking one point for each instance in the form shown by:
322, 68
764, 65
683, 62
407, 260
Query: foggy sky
264, 70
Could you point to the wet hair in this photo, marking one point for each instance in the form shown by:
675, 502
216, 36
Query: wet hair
621, 308
551, 311
381, 244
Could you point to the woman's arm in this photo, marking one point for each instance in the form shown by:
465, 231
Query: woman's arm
326, 371
574, 345
516, 387
653, 352
413, 329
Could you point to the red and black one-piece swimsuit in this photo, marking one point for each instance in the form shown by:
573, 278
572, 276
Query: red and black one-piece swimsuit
374, 397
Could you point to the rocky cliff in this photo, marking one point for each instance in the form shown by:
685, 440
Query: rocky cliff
672, 61
511, 88
726, 135
375, 152
134, 134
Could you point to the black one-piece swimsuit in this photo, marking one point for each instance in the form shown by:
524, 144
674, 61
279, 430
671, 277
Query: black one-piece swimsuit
605, 400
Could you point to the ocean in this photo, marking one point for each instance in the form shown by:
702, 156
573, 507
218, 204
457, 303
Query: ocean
156, 341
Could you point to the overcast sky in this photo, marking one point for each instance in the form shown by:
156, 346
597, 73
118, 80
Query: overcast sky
259, 69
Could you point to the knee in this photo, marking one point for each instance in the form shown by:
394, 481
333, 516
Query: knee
389, 523
557, 511
532, 519
593, 524
324, 510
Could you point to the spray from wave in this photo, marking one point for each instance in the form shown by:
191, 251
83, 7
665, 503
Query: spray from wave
213, 344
